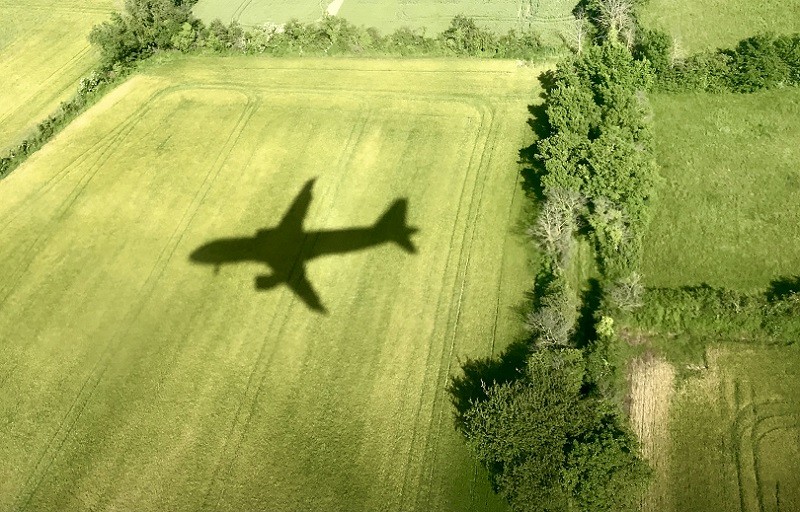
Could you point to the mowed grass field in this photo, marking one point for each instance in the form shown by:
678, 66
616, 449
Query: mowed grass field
727, 212
133, 379
732, 441
44, 51
549, 17
708, 24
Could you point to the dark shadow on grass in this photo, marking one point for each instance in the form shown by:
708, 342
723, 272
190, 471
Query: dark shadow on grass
478, 375
287, 247
585, 333
528, 156
782, 288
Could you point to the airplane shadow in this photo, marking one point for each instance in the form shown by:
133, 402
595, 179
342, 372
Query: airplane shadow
286, 248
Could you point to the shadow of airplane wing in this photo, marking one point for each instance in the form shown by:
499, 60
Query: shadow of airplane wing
292, 220
299, 284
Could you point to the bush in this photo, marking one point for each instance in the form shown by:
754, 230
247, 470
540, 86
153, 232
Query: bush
760, 62
719, 314
656, 47
756, 64
550, 447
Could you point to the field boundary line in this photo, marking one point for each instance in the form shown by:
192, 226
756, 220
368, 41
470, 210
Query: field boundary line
485, 161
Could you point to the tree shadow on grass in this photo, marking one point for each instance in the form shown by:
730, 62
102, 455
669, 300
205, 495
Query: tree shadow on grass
591, 299
783, 287
540, 125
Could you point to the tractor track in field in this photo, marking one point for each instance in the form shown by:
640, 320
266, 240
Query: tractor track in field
79, 404
57, 73
461, 262
473, 212
754, 421
103, 148
216, 487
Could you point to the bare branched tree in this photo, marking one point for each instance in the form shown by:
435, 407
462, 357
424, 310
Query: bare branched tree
557, 222
616, 17
626, 293
553, 322
580, 30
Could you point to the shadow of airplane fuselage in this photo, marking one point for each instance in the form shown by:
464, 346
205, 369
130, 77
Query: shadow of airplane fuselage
286, 248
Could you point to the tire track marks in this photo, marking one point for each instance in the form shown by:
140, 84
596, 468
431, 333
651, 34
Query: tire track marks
67, 424
244, 414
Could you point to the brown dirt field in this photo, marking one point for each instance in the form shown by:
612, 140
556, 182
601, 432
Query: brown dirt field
651, 388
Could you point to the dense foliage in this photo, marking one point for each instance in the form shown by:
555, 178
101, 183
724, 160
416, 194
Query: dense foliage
599, 146
151, 25
552, 435
760, 62
549, 447
717, 314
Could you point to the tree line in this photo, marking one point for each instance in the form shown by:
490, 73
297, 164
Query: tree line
146, 27
545, 418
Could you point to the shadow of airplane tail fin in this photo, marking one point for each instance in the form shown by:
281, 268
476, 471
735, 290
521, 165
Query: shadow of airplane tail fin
392, 226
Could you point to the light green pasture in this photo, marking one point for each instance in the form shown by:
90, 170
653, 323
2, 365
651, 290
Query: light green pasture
133, 379
727, 212
735, 434
44, 51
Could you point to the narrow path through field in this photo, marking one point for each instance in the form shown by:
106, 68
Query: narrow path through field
333, 8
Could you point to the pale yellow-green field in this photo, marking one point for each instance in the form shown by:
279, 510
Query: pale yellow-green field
731, 441
132, 378
44, 51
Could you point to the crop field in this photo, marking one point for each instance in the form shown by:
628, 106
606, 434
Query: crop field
727, 212
150, 360
44, 51
546, 16
707, 24
733, 441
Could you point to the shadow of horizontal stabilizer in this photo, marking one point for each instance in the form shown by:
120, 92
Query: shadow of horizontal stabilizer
286, 248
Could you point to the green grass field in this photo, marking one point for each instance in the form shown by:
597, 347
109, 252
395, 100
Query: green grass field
44, 51
727, 212
133, 378
549, 17
735, 434
708, 24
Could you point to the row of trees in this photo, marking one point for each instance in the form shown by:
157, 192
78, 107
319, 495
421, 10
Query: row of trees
760, 62
545, 420
147, 26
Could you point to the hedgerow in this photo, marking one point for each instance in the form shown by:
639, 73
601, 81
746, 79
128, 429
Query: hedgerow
763, 61
552, 435
147, 27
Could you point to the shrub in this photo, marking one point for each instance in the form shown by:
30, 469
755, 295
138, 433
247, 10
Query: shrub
549, 447
756, 64
705, 312
656, 47
552, 322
